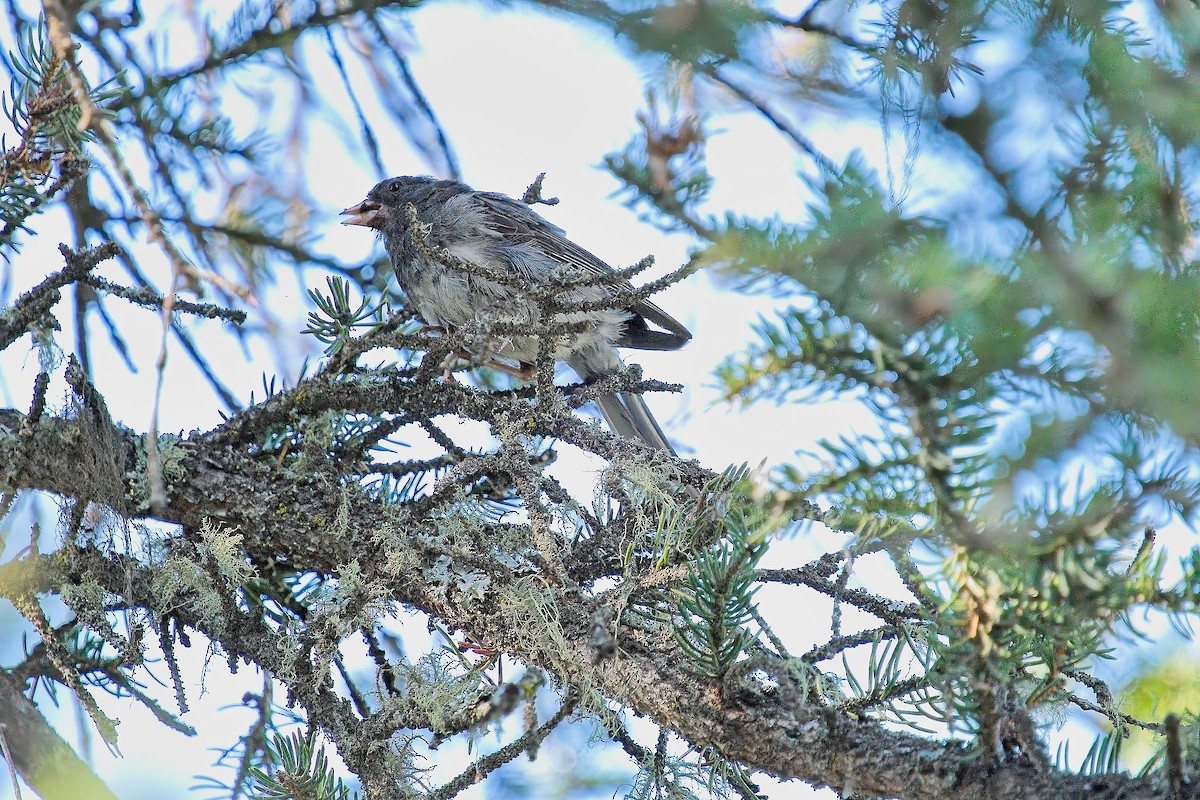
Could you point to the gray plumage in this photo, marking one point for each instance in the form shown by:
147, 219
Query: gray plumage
507, 237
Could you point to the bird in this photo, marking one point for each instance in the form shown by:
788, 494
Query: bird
504, 250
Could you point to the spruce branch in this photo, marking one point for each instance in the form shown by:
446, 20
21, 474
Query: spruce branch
302, 770
716, 603
45, 114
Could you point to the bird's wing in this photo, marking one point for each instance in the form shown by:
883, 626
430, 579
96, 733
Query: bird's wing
516, 222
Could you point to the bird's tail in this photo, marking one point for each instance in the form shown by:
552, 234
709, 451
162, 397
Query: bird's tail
628, 416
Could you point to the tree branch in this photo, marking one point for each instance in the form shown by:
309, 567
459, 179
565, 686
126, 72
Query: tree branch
778, 732
39, 755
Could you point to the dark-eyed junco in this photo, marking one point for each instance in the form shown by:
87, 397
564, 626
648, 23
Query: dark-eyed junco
498, 247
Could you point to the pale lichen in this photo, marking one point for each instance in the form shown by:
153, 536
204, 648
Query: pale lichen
470, 585
224, 545
172, 461
181, 581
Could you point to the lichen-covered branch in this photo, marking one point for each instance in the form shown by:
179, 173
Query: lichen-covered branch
776, 730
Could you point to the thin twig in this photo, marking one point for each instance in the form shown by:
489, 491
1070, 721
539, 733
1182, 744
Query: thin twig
8, 759
781, 123
840, 643
418, 96
148, 298
894, 611
364, 127
488, 764
1174, 757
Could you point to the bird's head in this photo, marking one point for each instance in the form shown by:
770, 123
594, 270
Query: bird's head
385, 203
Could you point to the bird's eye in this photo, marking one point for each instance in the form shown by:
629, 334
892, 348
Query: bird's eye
394, 188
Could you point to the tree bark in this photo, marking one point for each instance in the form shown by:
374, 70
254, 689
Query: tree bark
286, 520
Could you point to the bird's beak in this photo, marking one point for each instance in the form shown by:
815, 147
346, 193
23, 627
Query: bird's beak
368, 213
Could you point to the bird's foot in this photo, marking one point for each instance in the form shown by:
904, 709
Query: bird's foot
448, 365
524, 372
